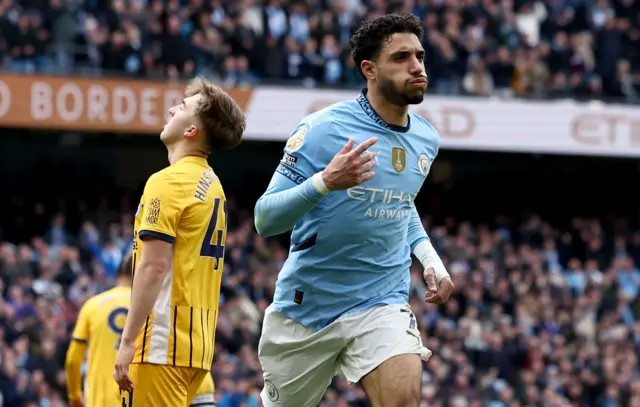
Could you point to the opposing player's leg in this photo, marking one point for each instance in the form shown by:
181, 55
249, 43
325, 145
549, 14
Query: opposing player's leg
298, 363
385, 355
159, 385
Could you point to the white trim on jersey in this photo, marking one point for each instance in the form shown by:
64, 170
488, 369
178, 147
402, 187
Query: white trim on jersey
161, 324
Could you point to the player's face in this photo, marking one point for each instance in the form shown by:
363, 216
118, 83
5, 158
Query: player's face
182, 121
400, 70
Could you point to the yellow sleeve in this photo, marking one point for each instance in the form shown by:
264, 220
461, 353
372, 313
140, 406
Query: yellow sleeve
162, 207
76, 353
81, 331
72, 368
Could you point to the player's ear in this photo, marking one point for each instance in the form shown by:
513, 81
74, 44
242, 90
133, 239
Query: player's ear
191, 132
368, 69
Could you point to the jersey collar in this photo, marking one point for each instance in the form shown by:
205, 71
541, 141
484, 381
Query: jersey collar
193, 159
370, 111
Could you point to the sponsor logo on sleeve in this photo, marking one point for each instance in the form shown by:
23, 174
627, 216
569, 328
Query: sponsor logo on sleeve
289, 160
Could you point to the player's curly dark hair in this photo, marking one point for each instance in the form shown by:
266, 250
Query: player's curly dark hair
222, 119
368, 40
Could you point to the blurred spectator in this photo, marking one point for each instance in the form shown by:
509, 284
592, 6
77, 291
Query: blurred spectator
478, 81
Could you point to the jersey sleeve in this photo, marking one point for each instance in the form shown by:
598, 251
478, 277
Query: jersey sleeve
291, 192
162, 207
73, 362
304, 153
81, 331
416, 232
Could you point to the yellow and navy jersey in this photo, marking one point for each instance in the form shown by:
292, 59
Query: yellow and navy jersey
206, 394
184, 205
100, 324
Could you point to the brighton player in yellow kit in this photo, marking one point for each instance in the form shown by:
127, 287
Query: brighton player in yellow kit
98, 329
180, 229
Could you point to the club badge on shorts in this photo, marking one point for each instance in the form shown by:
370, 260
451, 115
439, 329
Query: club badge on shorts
424, 164
272, 391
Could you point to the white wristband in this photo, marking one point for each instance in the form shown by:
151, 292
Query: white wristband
428, 257
318, 183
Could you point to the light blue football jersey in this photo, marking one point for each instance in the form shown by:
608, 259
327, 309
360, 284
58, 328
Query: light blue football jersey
352, 249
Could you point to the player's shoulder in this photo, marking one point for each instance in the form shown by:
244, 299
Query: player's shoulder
172, 172
331, 115
163, 175
167, 179
314, 128
91, 304
341, 111
422, 125
99, 299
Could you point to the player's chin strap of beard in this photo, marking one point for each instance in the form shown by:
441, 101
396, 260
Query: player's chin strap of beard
428, 257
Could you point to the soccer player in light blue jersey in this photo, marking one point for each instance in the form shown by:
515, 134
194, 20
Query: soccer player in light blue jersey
346, 186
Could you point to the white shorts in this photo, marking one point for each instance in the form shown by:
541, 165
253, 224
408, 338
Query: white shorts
299, 363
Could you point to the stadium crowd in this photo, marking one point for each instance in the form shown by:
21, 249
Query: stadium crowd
541, 316
561, 48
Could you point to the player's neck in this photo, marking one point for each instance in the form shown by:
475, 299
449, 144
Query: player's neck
389, 112
123, 282
176, 153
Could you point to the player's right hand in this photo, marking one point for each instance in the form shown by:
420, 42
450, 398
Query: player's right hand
121, 370
350, 167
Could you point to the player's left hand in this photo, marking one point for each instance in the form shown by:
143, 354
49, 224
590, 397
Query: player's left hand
437, 293
123, 360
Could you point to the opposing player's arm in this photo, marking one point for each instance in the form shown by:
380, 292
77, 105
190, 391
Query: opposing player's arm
296, 186
76, 353
162, 208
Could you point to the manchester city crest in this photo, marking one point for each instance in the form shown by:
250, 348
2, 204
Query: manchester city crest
424, 164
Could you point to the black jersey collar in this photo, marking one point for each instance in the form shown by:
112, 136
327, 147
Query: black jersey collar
370, 111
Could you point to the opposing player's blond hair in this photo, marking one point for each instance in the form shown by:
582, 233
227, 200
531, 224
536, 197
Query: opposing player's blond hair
222, 119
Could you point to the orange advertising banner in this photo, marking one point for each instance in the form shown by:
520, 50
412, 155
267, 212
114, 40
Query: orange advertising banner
91, 104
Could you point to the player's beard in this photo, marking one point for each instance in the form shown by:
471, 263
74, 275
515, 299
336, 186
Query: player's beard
394, 95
